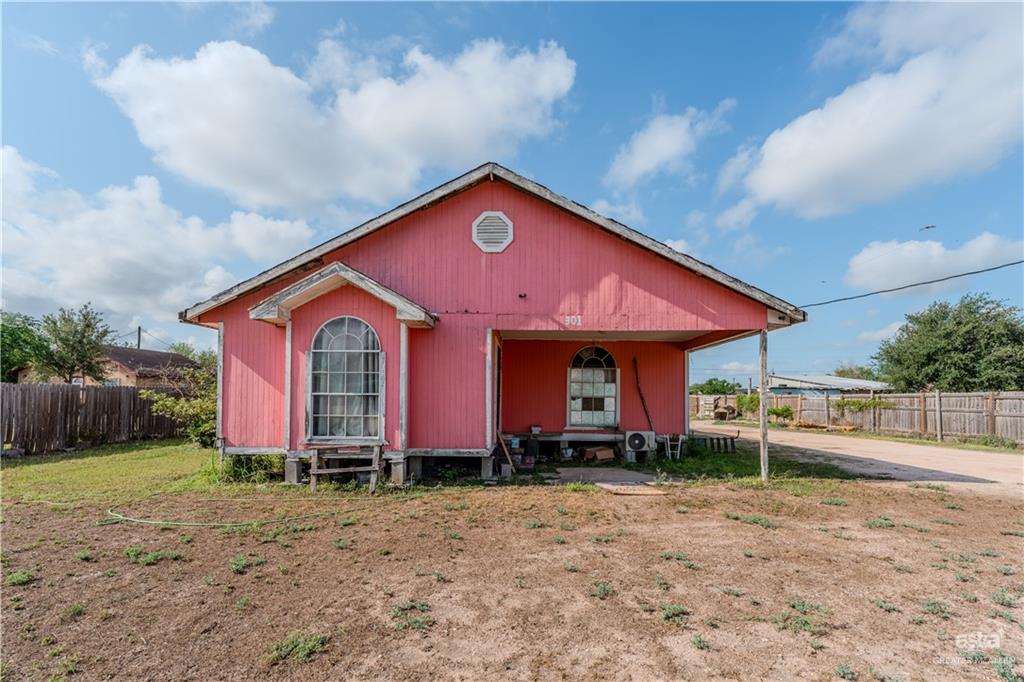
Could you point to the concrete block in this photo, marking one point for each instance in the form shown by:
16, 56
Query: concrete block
292, 470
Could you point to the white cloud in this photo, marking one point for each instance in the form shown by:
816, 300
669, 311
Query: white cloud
735, 366
695, 219
38, 44
267, 239
253, 18
629, 212
123, 249
680, 245
266, 141
883, 265
737, 216
664, 145
735, 169
945, 101
336, 66
876, 335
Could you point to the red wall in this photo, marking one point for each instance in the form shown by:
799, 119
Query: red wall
533, 384
564, 266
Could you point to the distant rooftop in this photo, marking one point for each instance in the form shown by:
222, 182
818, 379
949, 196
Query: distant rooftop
147, 362
825, 381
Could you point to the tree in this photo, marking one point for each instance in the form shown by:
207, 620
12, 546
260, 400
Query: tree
21, 344
74, 345
852, 371
192, 401
206, 358
975, 345
715, 386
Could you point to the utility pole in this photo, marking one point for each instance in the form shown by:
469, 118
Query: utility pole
138, 340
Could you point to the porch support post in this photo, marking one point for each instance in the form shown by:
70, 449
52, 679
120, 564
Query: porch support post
288, 385
763, 405
489, 398
220, 391
403, 386
686, 392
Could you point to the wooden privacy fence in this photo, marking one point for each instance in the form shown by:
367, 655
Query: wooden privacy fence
45, 417
929, 414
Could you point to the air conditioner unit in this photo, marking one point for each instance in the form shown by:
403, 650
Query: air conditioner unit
640, 441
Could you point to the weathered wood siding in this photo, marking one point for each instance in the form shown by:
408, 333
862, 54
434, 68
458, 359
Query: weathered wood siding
964, 415
557, 266
534, 384
45, 417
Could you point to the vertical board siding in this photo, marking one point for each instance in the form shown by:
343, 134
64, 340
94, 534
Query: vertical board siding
964, 415
306, 322
557, 265
42, 418
533, 384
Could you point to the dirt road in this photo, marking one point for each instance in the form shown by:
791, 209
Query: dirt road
987, 472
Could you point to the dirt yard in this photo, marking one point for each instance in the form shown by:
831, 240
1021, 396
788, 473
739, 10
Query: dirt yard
813, 579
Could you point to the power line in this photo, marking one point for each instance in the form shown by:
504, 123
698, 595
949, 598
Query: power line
156, 338
915, 284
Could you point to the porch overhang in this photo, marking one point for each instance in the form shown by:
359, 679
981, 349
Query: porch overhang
277, 308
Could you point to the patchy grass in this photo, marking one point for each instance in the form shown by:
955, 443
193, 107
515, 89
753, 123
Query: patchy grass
581, 487
936, 608
845, 672
601, 590
880, 521
834, 501
674, 613
1004, 598
886, 606
19, 577
753, 519
99, 473
534, 524
408, 615
139, 555
241, 563
681, 558
700, 643
298, 646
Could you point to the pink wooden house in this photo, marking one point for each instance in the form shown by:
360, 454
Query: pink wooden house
487, 305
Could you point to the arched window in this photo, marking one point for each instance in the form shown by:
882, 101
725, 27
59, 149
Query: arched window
593, 389
346, 376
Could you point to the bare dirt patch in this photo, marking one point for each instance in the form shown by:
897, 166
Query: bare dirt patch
507, 583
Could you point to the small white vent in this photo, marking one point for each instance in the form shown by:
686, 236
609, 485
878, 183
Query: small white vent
492, 231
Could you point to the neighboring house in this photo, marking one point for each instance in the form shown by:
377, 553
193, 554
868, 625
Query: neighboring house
127, 367
487, 305
820, 384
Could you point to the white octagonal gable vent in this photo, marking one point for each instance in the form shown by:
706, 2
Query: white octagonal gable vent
492, 231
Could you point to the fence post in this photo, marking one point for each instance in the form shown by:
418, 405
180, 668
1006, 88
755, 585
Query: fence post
938, 415
799, 408
991, 413
828, 412
923, 414
874, 411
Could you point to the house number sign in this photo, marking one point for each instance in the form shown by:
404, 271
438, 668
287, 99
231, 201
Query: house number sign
573, 321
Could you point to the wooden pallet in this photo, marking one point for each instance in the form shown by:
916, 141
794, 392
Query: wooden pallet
340, 453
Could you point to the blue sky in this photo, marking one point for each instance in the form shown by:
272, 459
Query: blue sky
156, 153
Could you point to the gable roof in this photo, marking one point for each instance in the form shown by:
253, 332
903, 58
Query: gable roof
787, 312
147, 362
277, 308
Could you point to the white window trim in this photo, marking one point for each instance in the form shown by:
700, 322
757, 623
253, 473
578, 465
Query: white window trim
568, 403
511, 231
381, 396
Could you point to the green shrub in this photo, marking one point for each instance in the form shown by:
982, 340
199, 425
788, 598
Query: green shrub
192, 402
784, 412
748, 404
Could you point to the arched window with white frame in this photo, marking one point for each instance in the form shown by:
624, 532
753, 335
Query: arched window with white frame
346, 380
593, 389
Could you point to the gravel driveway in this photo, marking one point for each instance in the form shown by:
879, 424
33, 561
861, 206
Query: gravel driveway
987, 472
